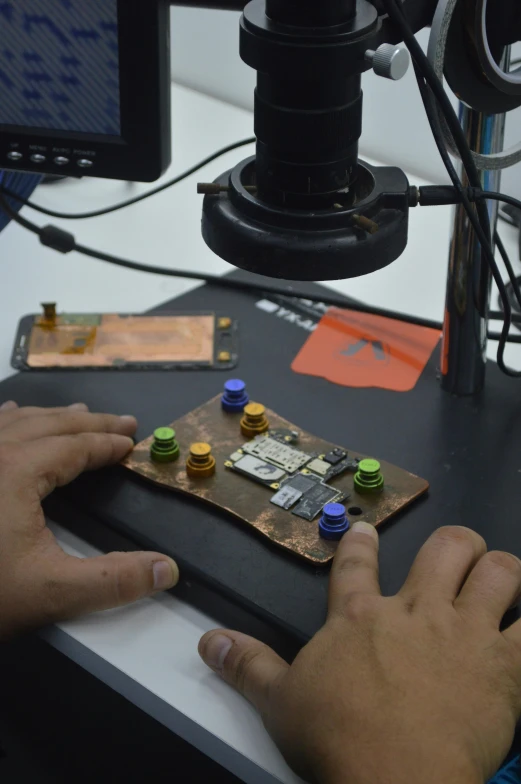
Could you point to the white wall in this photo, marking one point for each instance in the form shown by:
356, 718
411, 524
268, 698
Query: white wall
205, 56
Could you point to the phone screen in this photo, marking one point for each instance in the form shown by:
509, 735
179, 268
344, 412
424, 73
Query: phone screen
111, 340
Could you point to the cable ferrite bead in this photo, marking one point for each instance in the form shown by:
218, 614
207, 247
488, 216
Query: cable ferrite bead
254, 422
200, 463
165, 448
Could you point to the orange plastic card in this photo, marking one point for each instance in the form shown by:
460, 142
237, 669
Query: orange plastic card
360, 350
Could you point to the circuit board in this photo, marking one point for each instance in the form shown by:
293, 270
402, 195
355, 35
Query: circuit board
277, 482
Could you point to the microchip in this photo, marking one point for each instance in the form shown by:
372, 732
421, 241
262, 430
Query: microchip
286, 497
257, 469
319, 466
277, 453
345, 465
312, 503
335, 456
302, 482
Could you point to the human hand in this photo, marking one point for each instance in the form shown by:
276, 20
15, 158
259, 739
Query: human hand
421, 686
41, 449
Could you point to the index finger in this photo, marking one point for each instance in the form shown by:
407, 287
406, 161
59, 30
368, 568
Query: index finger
355, 568
11, 412
53, 462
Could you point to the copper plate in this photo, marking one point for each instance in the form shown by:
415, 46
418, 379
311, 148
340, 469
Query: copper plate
249, 502
110, 339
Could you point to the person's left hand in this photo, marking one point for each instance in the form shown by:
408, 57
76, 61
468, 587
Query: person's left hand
41, 449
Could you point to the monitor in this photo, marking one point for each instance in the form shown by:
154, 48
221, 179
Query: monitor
85, 87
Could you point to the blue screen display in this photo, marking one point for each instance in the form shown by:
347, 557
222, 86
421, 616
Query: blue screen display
59, 65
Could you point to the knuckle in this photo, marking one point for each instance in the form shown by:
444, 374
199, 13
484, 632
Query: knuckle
239, 664
505, 561
458, 536
128, 581
350, 562
359, 607
11, 457
53, 600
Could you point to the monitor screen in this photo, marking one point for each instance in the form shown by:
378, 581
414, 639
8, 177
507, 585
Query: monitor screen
59, 65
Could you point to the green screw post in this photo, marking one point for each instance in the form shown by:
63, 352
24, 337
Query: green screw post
369, 478
165, 448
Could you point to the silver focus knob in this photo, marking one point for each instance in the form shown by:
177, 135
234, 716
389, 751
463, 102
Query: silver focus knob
389, 61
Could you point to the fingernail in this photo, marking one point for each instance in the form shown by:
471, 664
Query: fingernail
365, 528
166, 575
78, 407
9, 405
128, 419
216, 650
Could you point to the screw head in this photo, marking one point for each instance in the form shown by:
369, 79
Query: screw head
334, 510
200, 449
235, 385
369, 466
254, 410
389, 61
224, 322
164, 434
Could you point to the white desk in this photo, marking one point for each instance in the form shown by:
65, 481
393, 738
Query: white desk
148, 652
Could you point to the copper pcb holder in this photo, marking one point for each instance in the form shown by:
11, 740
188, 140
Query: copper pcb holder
249, 502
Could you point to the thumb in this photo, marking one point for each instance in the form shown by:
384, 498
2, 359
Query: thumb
248, 665
87, 585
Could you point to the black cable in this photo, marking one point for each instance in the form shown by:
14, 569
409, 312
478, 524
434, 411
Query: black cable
481, 221
268, 288
503, 197
136, 199
512, 298
396, 15
514, 283
260, 288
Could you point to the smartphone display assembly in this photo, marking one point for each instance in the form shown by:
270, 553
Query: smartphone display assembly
111, 341
85, 88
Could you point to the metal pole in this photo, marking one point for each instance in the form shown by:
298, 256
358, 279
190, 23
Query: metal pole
469, 279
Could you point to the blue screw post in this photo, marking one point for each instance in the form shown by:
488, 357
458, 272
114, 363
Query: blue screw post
235, 396
334, 523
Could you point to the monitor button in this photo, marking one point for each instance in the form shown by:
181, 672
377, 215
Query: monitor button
84, 163
15, 156
37, 158
61, 161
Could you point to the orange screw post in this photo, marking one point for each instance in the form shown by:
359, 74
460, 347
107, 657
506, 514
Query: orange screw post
254, 421
200, 463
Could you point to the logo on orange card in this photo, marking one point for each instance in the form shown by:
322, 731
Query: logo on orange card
363, 351
360, 350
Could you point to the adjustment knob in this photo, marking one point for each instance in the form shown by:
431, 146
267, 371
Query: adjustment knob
389, 61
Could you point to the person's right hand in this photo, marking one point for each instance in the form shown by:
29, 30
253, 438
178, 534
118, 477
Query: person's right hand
417, 687
41, 449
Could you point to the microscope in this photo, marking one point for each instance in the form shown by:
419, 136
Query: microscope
306, 207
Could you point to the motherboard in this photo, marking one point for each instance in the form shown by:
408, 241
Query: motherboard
276, 482
299, 478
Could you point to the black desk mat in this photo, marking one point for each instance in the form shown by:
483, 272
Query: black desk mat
468, 449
